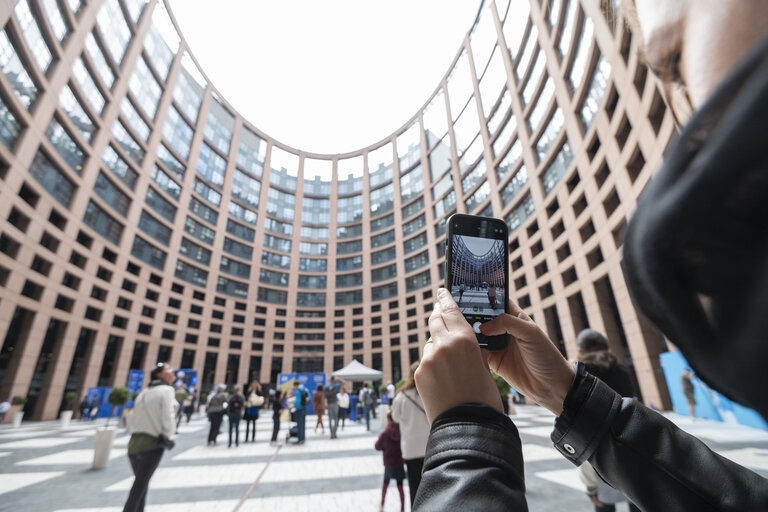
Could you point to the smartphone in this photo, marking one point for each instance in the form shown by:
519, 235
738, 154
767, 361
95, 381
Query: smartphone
477, 272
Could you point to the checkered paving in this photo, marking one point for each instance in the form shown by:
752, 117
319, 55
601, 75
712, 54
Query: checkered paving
46, 468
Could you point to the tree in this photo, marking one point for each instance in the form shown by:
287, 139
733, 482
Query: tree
117, 398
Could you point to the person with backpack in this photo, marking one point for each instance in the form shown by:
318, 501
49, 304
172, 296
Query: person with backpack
301, 402
389, 444
366, 398
332, 400
235, 413
217, 402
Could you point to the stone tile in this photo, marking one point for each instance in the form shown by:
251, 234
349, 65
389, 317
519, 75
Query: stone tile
68, 457
14, 481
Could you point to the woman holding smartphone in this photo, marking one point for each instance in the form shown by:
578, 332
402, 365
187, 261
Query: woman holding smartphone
695, 260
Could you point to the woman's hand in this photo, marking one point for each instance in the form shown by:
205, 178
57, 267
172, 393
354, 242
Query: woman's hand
531, 363
453, 369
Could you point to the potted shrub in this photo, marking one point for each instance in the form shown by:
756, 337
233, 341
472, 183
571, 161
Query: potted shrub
66, 414
201, 407
384, 394
504, 388
103, 438
17, 406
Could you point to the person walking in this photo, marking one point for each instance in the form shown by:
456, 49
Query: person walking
216, 412
686, 379
408, 411
597, 358
152, 424
319, 403
277, 407
235, 407
461, 293
389, 444
343, 398
332, 401
252, 404
366, 399
300, 403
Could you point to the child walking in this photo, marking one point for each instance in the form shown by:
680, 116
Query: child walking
389, 444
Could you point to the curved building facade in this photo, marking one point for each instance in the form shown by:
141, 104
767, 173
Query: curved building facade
143, 219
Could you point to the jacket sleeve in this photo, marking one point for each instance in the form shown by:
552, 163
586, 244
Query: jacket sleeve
167, 415
647, 457
474, 460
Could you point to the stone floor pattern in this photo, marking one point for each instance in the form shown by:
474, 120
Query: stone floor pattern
46, 468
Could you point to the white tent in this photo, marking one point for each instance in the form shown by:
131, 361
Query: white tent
357, 371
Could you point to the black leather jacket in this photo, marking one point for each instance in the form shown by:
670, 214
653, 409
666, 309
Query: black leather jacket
474, 458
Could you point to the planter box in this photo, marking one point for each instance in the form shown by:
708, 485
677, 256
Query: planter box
102, 446
65, 417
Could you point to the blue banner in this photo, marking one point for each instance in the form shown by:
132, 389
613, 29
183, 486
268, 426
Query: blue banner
308, 380
134, 385
709, 403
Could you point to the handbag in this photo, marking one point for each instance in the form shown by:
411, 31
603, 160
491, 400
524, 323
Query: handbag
285, 415
255, 400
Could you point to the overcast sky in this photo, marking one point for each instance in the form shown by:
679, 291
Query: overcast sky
328, 76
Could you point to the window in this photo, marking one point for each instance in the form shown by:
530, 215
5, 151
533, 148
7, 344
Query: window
272, 296
14, 70
97, 58
237, 249
165, 182
520, 213
119, 167
278, 244
382, 223
191, 274
87, 86
383, 239
32, 36
65, 146
411, 184
244, 214
418, 281
281, 204
353, 246
127, 142
276, 260
313, 265
277, 227
218, 128
199, 231
188, 94
313, 282
144, 88
349, 209
211, 166
246, 188
194, 251
383, 256
114, 29
148, 253
349, 280
51, 179
103, 223
240, 231
313, 249
251, 153
557, 168
352, 263
238, 289
384, 273
178, 133
204, 212
349, 298
110, 194
415, 243
154, 228
76, 113
381, 199
384, 292
310, 299
349, 231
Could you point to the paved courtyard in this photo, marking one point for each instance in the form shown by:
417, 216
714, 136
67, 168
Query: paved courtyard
45, 468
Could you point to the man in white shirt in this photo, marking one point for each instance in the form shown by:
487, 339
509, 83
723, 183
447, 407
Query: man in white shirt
153, 416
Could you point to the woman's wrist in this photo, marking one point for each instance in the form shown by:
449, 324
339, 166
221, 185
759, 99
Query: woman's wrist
556, 397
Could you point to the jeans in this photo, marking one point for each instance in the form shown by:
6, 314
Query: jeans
144, 465
414, 467
250, 422
367, 414
216, 419
275, 425
333, 418
234, 424
301, 420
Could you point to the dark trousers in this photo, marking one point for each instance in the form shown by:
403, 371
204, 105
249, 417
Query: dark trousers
367, 416
414, 467
234, 424
144, 465
612, 508
275, 425
301, 421
216, 419
250, 421
333, 418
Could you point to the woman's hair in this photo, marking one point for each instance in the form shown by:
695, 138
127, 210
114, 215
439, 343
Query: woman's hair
410, 382
255, 386
319, 387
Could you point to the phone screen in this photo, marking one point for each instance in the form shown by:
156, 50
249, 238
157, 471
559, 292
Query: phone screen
476, 272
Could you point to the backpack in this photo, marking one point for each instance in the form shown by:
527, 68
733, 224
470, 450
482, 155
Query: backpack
235, 405
367, 397
304, 398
